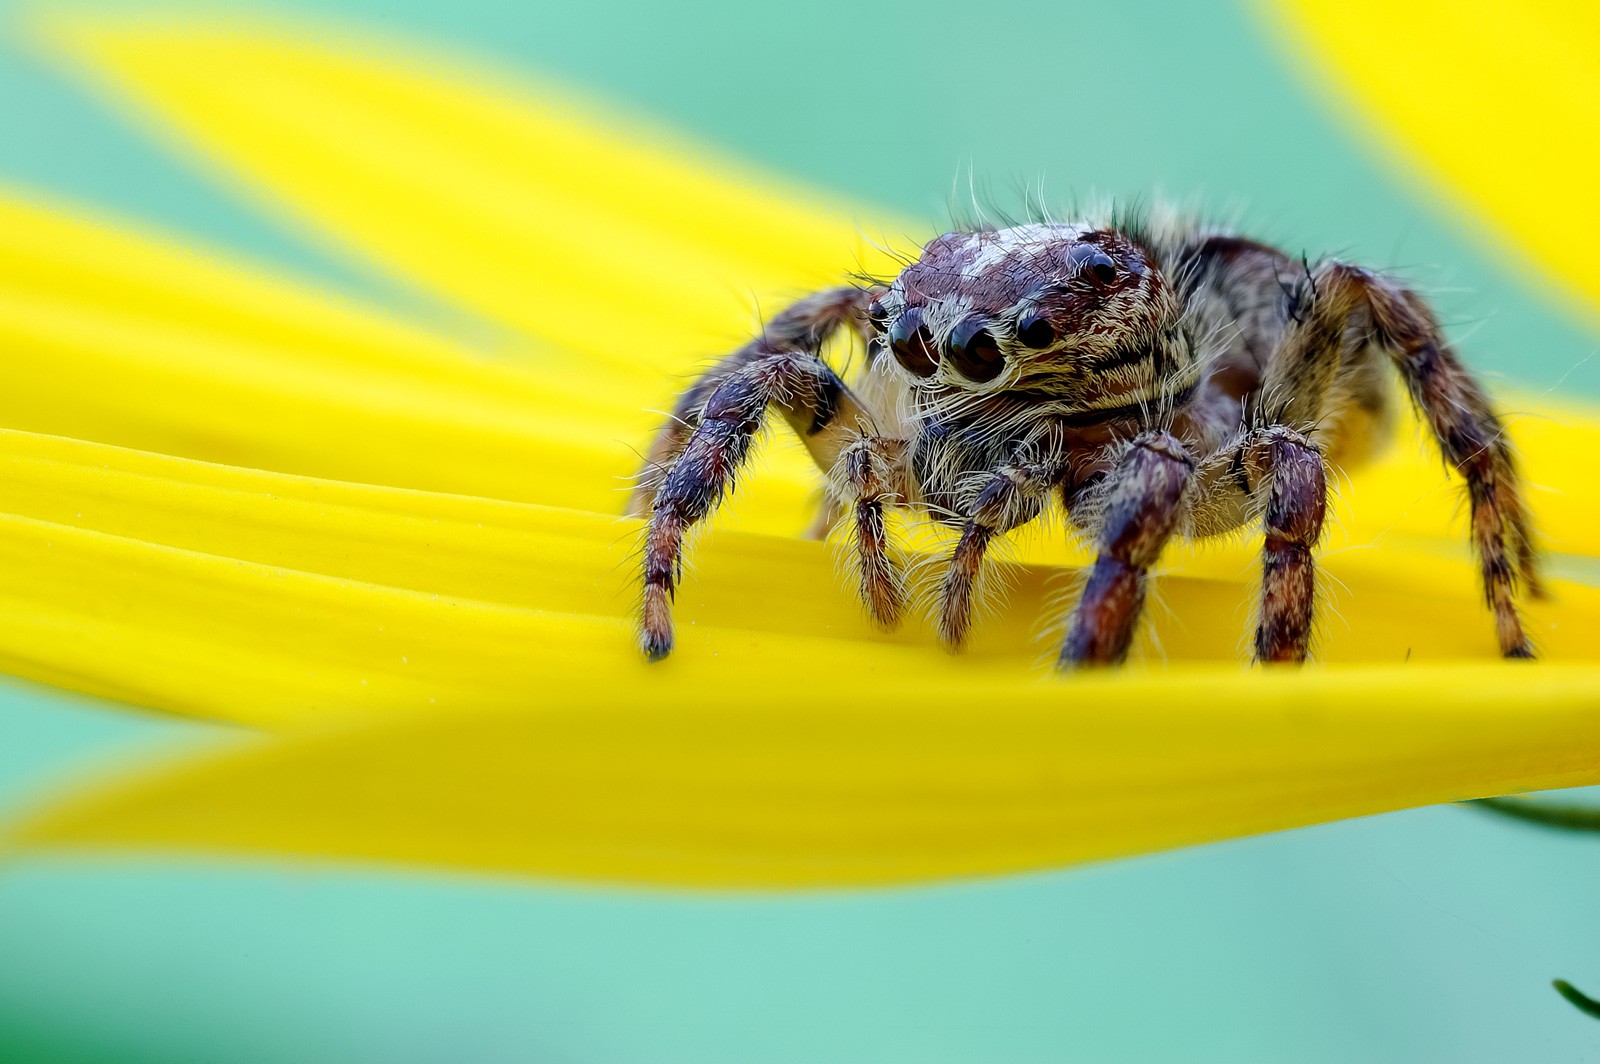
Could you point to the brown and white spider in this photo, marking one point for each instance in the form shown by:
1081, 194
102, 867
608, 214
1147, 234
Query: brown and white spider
1156, 377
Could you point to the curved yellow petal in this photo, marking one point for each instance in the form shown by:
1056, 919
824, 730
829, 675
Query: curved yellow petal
131, 337
1494, 103
841, 779
506, 197
268, 598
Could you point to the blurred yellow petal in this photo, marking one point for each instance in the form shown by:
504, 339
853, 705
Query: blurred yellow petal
1495, 104
130, 337
635, 249
269, 598
838, 779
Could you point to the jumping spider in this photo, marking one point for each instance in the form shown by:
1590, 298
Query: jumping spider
1156, 378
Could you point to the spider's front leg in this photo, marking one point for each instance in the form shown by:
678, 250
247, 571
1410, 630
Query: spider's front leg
1278, 473
1142, 502
698, 454
803, 326
1012, 495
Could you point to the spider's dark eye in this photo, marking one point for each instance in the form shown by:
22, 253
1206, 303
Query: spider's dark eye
911, 344
1098, 267
1035, 332
877, 315
973, 351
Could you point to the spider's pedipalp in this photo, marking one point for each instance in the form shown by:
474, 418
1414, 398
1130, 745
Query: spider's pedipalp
1013, 495
871, 474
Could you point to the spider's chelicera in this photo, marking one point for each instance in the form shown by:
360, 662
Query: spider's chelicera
1154, 378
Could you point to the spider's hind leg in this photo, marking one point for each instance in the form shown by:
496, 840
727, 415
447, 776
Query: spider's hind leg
1399, 322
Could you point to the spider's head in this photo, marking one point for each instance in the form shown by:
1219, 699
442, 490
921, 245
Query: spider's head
1028, 306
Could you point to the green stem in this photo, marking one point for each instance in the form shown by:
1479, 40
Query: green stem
1545, 814
1583, 1002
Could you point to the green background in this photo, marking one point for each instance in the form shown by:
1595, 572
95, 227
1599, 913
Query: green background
1419, 936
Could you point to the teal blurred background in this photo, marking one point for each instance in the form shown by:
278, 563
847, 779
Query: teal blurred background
1423, 936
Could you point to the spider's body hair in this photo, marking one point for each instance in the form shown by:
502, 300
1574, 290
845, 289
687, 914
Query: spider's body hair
1147, 374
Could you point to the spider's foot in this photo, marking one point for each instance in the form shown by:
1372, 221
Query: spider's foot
1071, 663
885, 598
655, 629
954, 624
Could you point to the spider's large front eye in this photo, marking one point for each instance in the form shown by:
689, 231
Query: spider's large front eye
911, 344
973, 351
1035, 331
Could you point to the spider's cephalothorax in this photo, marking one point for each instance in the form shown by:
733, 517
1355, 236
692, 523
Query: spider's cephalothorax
1156, 379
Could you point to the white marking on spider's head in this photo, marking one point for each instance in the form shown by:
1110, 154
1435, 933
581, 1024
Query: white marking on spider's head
998, 245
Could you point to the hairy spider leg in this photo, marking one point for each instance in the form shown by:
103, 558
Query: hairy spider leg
701, 450
871, 471
1398, 321
1142, 502
803, 326
1013, 495
1279, 473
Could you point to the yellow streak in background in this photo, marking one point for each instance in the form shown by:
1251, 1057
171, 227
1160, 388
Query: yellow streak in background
866, 782
1496, 104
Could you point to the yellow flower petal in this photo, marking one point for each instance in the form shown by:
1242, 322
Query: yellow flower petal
571, 225
838, 779
130, 337
1495, 103
268, 598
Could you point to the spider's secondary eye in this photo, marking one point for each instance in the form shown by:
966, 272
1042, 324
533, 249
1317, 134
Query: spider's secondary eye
1035, 332
877, 315
911, 344
1098, 267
